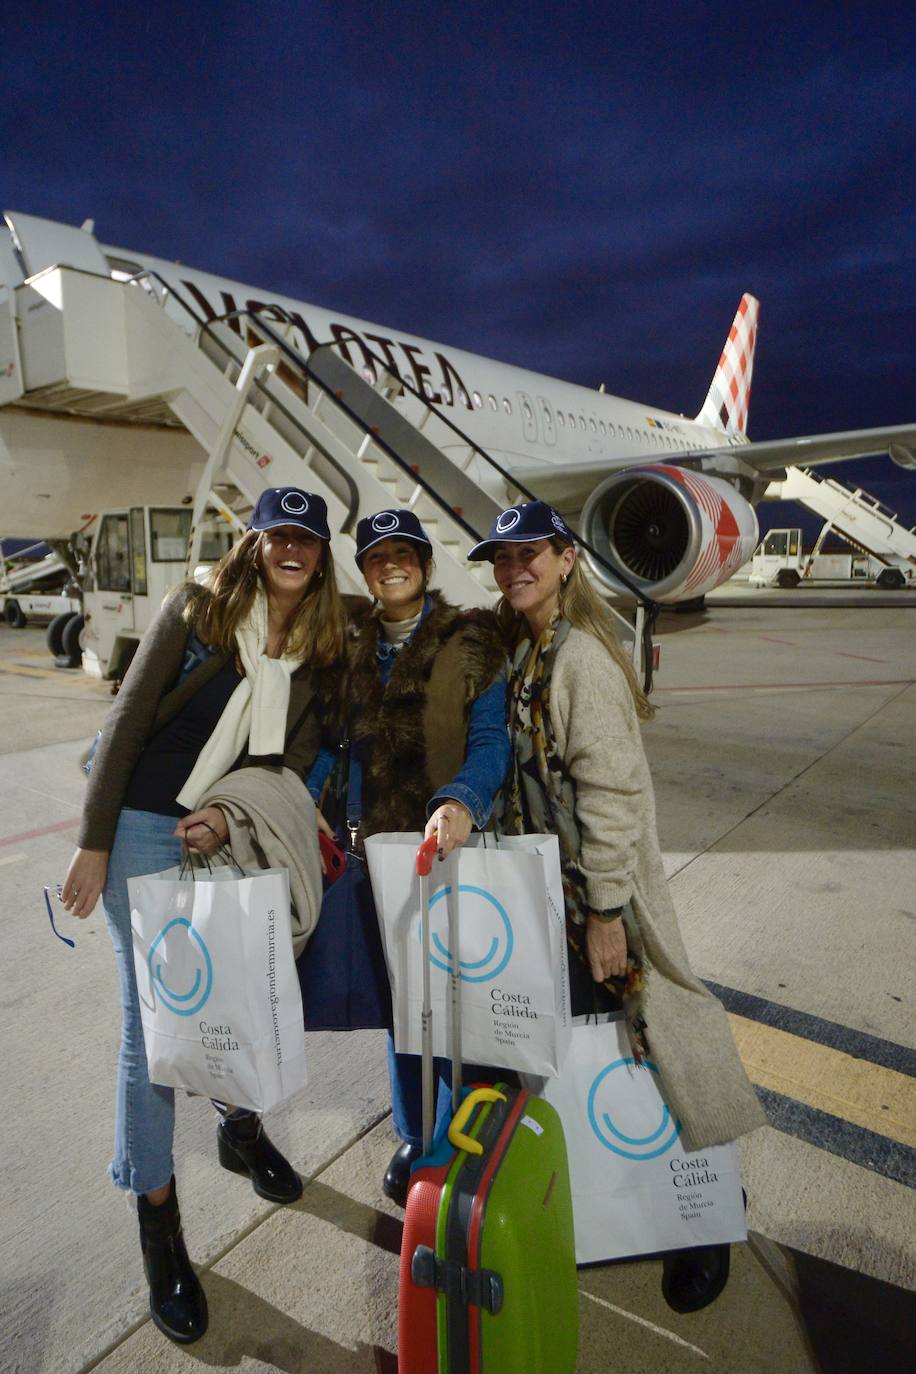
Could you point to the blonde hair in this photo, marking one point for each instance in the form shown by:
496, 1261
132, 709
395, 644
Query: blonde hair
316, 630
581, 605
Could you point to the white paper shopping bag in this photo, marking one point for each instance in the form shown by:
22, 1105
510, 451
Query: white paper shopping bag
219, 993
511, 954
636, 1187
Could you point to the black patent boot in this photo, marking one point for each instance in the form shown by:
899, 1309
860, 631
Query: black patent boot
177, 1302
245, 1148
692, 1279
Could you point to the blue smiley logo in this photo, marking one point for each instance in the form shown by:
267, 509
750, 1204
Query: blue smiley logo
190, 958
611, 1136
486, 933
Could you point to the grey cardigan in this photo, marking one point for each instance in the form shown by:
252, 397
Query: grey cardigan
598, 737
149, 699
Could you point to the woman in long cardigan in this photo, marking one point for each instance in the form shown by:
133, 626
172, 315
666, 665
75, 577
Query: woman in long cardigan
580, 770
243, 671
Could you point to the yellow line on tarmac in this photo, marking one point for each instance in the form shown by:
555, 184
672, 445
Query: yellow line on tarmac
20, 670
855, 1090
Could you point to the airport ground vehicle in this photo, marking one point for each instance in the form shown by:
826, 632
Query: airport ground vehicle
135, 557
781, 561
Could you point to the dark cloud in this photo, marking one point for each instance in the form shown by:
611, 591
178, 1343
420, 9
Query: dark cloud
586, 190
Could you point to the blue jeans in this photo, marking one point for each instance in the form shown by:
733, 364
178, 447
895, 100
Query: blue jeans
407, 1093
144, 1112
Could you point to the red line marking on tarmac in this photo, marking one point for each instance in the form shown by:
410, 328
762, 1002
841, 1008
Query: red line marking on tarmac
864, 657
784, 686
791, 642
42, 830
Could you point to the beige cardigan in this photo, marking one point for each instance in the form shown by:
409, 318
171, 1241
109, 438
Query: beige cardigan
597, 732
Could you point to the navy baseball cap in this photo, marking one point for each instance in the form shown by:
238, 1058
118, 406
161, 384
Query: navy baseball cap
390, 524
521, 525
291, 506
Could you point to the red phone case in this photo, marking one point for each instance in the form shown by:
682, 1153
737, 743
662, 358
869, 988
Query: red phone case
335, 860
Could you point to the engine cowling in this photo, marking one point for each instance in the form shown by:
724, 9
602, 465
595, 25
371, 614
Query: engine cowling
676, 534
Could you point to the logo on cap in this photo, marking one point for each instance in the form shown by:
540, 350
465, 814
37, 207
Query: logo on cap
294, 503
508, 520
558, 523
384, 521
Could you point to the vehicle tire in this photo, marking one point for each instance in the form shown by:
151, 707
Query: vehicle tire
787, 577
70, 640
16, 617
889, 579
54, 638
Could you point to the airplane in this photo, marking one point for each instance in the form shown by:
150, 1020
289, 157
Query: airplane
667, 499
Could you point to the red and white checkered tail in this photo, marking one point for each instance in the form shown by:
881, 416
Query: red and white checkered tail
727, 402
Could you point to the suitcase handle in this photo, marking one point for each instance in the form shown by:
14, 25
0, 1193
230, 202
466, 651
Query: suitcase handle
463, 1115
425, 856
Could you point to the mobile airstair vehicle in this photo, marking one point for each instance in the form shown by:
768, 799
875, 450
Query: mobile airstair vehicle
883, 549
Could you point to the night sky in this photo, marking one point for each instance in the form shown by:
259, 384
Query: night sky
572, 188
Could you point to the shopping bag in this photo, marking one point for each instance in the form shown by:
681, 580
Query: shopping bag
219, 994
511, 955
342, 971
636, 1188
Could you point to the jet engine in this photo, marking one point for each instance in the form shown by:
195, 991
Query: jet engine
672, 532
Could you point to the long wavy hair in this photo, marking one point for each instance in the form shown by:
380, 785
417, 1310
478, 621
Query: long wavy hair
581, 605
315, 631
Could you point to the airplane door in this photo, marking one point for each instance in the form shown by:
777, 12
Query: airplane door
43, 243
548, 424
529, 419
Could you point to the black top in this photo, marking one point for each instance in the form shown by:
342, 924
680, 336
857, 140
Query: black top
169, 757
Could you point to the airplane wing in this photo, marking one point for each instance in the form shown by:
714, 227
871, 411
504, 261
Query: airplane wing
569, 484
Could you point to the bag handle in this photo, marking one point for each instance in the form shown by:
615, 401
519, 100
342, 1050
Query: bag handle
224, 848
423, 864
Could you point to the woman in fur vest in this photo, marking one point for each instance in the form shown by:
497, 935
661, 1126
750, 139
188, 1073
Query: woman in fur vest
427, 726
580, 771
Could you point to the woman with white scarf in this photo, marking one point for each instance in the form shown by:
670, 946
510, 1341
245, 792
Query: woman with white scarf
243, 671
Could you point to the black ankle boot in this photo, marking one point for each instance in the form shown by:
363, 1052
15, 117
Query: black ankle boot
397, 1175
692, 1279
244, 1148
177, 1303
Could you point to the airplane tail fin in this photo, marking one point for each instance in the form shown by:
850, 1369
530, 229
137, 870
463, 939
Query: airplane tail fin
728, 398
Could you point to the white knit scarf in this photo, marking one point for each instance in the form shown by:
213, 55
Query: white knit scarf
256, 712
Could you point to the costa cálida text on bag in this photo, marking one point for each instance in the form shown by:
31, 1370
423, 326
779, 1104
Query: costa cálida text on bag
219, 993
511, 956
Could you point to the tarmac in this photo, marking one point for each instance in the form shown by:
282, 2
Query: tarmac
783, 754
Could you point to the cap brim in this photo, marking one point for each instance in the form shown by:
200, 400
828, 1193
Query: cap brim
288, 520
487, 547
392, 534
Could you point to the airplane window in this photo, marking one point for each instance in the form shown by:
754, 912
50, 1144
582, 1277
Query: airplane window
561, 419
612, 431
369, 375
582, 423
493, 402
593, 427
572, 421
478, 400
629, 434
602, 427
527, 409
507, 405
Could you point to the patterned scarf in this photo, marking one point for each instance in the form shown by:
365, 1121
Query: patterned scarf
540, 797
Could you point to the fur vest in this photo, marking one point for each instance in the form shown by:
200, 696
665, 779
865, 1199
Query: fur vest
412, 733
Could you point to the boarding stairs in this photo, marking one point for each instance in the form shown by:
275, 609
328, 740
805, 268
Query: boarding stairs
17, 573
863, 522
89, 345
